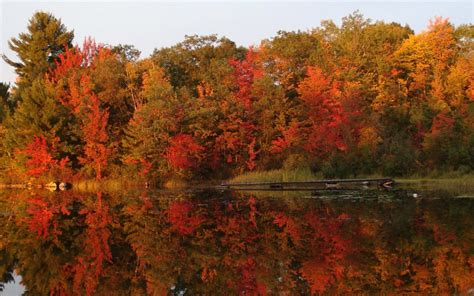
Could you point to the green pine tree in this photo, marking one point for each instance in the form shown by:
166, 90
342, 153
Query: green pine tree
38, 49
38, 113
4, 100
34, 109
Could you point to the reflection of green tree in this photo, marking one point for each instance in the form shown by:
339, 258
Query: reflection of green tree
236, 244
7, 262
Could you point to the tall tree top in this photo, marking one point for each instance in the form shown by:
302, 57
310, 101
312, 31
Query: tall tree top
38, 48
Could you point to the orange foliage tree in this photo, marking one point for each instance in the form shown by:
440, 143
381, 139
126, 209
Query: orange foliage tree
72, 80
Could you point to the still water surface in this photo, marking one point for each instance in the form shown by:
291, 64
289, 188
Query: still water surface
238, 243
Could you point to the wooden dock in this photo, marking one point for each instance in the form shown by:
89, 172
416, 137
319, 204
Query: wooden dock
385, 183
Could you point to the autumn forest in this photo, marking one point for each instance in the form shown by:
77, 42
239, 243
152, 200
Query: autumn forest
352, 98
363, 97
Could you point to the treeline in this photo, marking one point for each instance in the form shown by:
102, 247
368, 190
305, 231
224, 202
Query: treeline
360, 98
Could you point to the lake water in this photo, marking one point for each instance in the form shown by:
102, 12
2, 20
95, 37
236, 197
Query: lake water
208, 242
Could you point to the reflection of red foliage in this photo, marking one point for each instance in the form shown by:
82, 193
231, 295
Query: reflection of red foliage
288, 226
89, 267
441, 236
329, 249
253, 211
246, 269
41, 215
179, 215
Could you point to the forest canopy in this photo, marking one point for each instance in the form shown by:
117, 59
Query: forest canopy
362, 97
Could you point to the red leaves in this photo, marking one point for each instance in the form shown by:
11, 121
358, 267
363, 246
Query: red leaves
89, 267
330, 248
95, 135
41, 215
40, 158
253, 211
442, 123
75, 91
183, 152
327, 118
290, 137
245, 72
181, 218
252, 155
69, 60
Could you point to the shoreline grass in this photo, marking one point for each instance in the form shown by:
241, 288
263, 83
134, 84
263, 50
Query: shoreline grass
282, 175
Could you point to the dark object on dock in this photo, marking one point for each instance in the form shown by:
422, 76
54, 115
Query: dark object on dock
65, 186
387, 184
319, 184
333, 185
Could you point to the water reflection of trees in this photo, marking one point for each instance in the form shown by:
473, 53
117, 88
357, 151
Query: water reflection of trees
101, 244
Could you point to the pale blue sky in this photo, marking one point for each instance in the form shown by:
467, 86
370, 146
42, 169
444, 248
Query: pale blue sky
152, 24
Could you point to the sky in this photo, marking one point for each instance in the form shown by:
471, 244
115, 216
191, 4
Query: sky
153, 24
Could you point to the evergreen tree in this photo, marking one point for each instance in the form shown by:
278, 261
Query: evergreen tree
4, 102
38, 114
38, 48
36, 111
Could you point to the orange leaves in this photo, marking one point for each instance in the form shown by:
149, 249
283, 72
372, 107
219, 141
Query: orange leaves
252, 155
68, 61
208, 274
317, 88
204, 90
369, 137
290, 137
155, 85
75, 90
95, 135
327, 118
